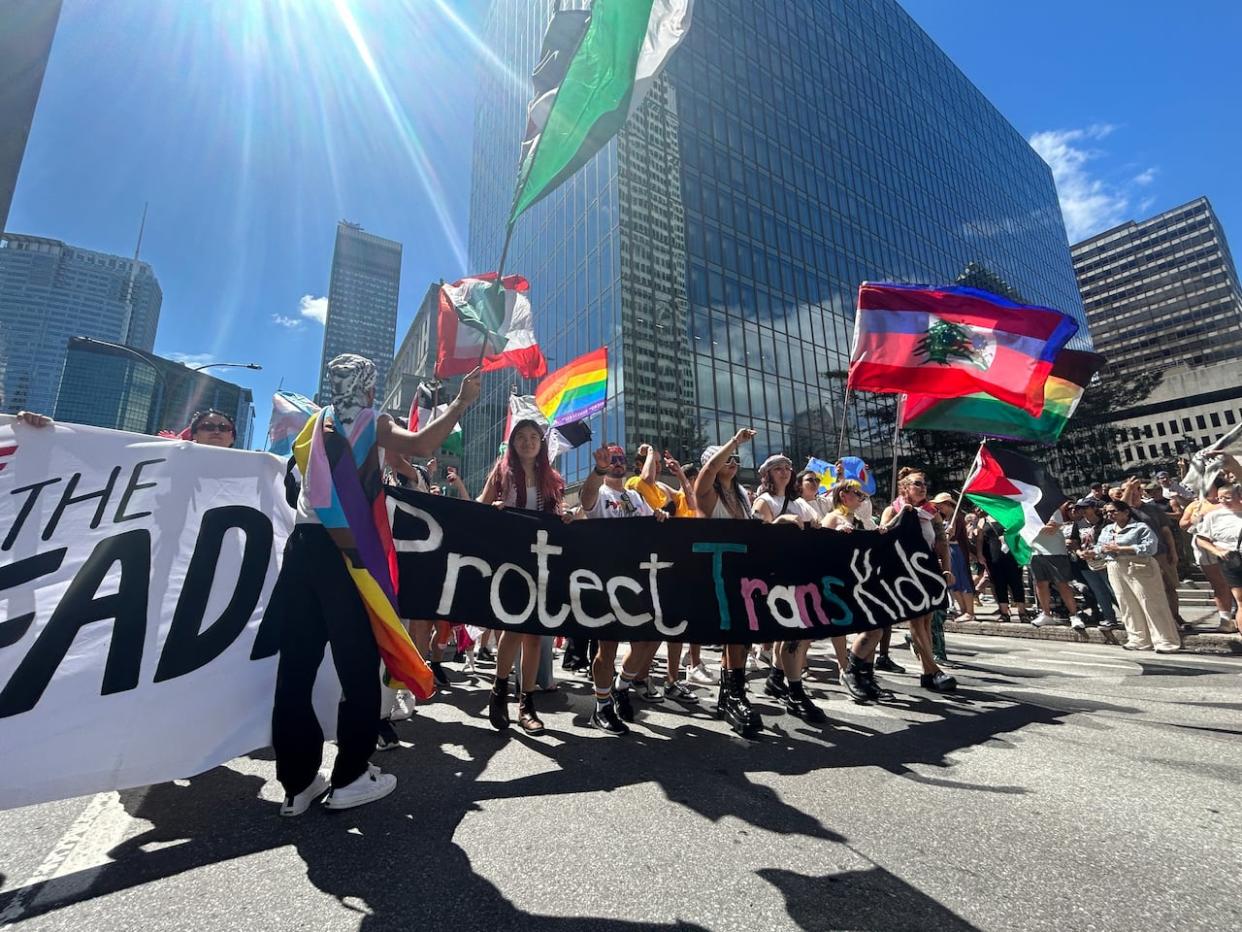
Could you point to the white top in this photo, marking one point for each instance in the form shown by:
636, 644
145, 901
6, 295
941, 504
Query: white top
1051, 543
623, 503
1222, 527
532, 498
819, 504
797, 507
719, 510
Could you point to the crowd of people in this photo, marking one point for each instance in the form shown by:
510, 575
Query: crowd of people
1116, 554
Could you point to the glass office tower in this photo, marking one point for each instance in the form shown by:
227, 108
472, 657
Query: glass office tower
362, 303
790, 152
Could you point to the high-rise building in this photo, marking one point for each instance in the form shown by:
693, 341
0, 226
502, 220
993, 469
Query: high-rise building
26, 31
362, 302
116, 386
789, 152
49, 292
1162, 295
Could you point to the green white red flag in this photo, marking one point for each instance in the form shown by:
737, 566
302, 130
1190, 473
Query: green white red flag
476, 311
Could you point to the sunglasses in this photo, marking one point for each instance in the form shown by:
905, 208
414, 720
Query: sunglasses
213, 428
618, 460
733, 461
918, 483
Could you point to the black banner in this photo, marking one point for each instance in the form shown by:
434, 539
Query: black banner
699, 581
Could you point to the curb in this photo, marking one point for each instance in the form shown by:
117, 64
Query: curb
1219, 644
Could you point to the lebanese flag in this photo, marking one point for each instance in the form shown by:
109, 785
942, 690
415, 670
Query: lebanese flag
476, 310
1016, 491
948, 341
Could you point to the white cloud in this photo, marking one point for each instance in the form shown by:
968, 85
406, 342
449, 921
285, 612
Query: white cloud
314, 308
1089, 203
190, 359
290, 322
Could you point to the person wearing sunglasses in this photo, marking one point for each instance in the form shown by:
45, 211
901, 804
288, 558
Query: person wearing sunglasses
604, 495
721, 496
213, 428
1129, 546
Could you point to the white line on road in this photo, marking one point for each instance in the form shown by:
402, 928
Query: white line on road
76, 856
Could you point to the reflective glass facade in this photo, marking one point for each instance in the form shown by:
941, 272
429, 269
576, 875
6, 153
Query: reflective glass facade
362, 303
105, 385
49, 292
790, 152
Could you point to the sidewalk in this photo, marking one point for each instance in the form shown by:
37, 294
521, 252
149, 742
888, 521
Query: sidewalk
1197, 608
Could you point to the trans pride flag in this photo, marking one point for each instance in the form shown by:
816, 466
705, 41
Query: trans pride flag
289, 413
948, 341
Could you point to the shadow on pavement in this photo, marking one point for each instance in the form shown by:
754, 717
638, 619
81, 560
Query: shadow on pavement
396, 862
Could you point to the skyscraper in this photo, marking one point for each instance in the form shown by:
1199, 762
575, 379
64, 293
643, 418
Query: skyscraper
26, 31
789, 152
362, 302
111, 385
49, 292
1162, 295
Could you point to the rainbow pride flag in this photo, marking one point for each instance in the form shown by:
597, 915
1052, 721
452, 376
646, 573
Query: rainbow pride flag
575, 391
982, 414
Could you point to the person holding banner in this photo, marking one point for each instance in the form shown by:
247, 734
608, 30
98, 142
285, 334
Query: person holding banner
522, 477
719, 494
337, 589
604, 495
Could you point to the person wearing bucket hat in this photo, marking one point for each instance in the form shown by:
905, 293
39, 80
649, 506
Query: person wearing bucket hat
779, 502
963, 587
522, 477
604, 495
720, 495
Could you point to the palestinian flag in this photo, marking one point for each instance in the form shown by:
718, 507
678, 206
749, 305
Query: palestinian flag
476, 310
990, 417
595, 69
424, 410
1017, 492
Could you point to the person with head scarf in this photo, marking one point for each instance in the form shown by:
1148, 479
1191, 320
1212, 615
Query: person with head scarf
335, 591
522, 477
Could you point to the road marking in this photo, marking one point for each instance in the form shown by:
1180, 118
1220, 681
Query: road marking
78, 856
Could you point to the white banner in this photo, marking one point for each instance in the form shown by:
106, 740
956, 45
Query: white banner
134, 577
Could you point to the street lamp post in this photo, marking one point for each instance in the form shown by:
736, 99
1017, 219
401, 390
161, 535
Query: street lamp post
226, 365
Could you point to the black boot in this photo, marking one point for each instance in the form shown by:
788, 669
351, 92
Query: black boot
854, 679
798, 703
437, 671
775, 685
722, 694
738, 712
498, 704
528, 718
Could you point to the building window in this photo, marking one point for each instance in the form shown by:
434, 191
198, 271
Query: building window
1160, 428
1215, 419
1230, 419
1174, 428
1186, 424
1202, 424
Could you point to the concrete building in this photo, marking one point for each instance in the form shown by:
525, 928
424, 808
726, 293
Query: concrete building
789, 152
26, 31
51, 291
362, 302
116, 386
1162, 295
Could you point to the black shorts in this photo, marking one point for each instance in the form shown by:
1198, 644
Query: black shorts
1233, 575
1051, 569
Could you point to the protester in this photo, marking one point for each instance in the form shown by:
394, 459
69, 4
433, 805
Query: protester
780, 502
604, 495
720, 495
963, 587
1089, 520
1191, 522
1220, 534
808, 487
1003, 569
1129, 548
1050, 565
213, 428
523, 477
322, 604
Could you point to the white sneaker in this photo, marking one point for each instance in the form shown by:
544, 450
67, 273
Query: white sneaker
1043, 620
700, 676
402, 707
651, 692
372, 785
1078, 623
296, 805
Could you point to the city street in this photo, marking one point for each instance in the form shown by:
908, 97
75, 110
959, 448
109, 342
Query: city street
1064, 786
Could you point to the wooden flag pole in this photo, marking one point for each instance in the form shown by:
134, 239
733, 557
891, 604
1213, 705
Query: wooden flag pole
845, 407
892, 491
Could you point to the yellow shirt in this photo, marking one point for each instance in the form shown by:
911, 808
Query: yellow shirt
659, 495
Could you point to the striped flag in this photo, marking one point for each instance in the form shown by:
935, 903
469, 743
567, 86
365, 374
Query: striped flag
424, 410
989, 417
949, 341
474, 310
1017, 492
595, 69
290, 411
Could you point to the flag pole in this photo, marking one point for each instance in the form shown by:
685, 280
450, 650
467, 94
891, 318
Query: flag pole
892, 486
845, 406
970, 474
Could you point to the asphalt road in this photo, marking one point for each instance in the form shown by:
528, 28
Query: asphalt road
1064, 787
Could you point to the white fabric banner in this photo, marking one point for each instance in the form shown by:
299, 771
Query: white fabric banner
134, 577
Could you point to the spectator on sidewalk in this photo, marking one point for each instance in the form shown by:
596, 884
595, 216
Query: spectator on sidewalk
1087, 526
1050, 565
1220, 534
1191, 522
1128, 546
1002, 569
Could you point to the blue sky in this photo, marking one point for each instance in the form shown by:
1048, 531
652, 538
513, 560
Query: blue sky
252, 126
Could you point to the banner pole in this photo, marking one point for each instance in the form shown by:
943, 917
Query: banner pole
845, 407
892, 490
970, 474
